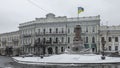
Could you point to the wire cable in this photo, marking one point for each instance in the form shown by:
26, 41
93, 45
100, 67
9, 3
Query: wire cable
36, 5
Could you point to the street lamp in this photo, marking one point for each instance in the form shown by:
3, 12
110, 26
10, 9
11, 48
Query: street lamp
103, 47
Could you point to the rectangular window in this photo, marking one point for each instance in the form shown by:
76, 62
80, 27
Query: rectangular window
102, 39
116, 39
86, 29
68, 39
39, 40
109, 39
50, 30
62, 39
86, 39
56, 30
68, 30
93, 29
43, 31
56, 40
109, 48
38, 30
116, 48
62, 30
93, 39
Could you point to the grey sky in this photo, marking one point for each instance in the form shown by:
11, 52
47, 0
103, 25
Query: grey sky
14, 12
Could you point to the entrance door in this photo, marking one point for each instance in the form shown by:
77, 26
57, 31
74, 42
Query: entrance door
50, 50
93, 49
56, 50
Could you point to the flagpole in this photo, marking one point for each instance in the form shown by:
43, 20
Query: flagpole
78, 16
80, 9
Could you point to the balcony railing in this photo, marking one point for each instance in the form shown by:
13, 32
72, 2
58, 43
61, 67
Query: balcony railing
52, 33
15, 40
26, 35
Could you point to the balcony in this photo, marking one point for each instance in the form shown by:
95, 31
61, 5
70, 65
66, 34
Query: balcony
4, 42
15, 40
48, 33
26, 35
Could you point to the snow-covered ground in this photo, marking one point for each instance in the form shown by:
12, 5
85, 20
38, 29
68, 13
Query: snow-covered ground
67, 59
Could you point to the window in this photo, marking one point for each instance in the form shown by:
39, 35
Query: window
50, 30
102, 39
68, 30
93, 39
86, 39
56, 30
68, 39
38, 39
116, 39
44, 31
62, 39
44, 40
50, 40
56, 40
62, 50
87, 29
38, 30
109, 48
93, 30
109, 39
116, 48
62, 30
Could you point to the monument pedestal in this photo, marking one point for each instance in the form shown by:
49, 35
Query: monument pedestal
78, 46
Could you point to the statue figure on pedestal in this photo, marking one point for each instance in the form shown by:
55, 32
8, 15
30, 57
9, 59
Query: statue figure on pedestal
78, 43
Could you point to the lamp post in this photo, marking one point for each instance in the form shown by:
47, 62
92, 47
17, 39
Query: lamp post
103, 47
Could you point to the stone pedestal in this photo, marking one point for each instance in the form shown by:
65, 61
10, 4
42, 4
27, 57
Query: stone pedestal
78, 45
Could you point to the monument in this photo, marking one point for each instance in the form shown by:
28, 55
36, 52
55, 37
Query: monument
78, 44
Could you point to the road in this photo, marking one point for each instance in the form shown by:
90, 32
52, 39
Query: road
5, 62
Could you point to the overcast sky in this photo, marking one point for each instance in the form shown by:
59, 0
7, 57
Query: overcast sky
14, 12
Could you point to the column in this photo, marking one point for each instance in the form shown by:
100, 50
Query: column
119, 43
113, 45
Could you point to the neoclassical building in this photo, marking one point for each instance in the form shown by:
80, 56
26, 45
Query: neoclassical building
52, 35
111, 34
9, 43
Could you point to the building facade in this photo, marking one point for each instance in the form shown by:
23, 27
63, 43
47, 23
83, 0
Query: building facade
9, 43
52, 35
111, 34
